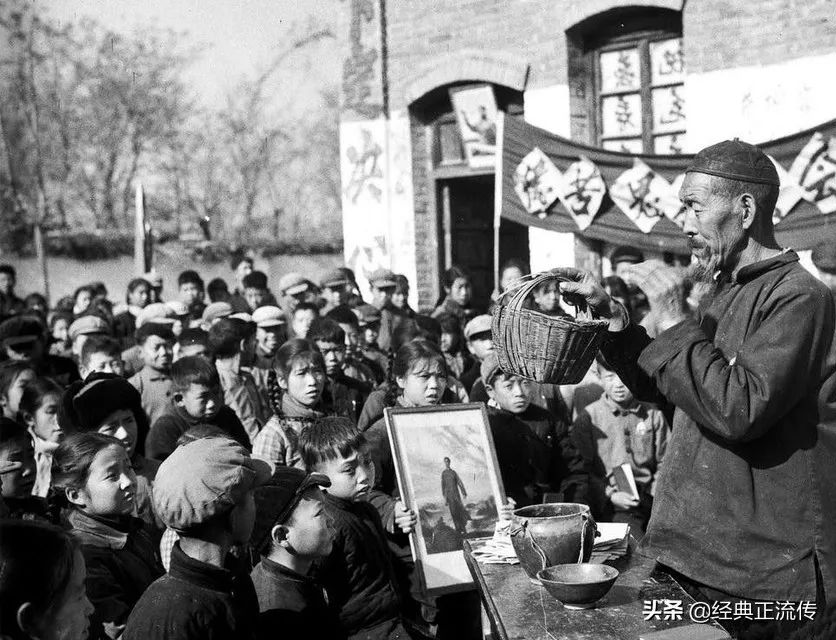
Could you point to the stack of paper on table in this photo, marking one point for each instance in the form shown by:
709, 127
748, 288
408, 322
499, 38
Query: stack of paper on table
612, 543
498, 550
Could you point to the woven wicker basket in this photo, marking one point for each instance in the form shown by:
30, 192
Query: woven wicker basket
548, 349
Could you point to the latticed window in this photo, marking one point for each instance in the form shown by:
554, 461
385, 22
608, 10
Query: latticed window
627, 74
641, 98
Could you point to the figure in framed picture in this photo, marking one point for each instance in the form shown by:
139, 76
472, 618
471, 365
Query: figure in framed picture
452, 488
476, 113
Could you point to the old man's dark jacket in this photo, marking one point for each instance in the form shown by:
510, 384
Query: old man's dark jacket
746, 501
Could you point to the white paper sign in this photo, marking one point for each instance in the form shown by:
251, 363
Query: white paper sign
582, 191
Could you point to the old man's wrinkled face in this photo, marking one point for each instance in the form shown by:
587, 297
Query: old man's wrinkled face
714, 226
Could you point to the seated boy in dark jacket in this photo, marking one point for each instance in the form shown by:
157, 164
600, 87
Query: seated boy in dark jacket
535, 452
196, 399
292, 530
358, 573
204, 491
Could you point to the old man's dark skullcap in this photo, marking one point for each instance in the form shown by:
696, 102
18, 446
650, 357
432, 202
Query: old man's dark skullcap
736, 160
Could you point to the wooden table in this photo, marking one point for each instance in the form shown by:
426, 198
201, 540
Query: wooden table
517, 608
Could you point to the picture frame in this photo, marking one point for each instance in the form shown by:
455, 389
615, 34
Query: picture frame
476, 114
448, 475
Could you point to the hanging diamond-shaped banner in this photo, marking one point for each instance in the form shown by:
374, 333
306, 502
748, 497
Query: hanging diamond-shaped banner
582, 191
789, 195
537, 182
643, 195
815, 170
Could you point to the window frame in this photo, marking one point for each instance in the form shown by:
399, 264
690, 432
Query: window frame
612, 31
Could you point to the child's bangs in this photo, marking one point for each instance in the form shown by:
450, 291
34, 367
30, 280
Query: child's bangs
429, 364
307, 359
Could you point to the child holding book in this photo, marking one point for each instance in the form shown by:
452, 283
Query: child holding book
616, 430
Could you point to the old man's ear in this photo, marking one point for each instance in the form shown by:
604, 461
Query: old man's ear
747, 207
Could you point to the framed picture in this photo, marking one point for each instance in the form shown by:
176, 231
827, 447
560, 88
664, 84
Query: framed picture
475, 109
448, 475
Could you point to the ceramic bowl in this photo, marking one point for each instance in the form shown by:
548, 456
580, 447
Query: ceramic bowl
578, 586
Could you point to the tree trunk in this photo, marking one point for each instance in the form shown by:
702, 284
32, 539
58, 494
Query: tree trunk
40, 252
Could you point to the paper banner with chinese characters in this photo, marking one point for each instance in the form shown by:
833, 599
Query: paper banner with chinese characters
537, 182
644, 196
582, 191
815, 170
789, 195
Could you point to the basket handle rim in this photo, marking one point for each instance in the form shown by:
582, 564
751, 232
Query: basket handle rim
522, 287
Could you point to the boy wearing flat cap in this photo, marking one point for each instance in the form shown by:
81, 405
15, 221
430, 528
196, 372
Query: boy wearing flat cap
292, 530
22, 338
205, 491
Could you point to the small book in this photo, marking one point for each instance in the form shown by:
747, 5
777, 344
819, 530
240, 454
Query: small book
625, 480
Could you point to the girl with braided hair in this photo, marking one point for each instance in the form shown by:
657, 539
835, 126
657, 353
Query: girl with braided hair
295, 390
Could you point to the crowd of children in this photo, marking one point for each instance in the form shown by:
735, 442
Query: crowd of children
217, 464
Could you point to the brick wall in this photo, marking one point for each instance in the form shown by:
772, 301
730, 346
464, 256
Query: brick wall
722, 34
442, 40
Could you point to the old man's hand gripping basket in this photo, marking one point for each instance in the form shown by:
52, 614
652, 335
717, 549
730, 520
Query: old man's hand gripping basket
548, 349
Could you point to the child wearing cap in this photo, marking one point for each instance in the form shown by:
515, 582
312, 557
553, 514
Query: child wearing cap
292, 531
153, 381
205, 492
191, 293
382, 283
22, 338
93, 478
368, 318
358, 574
269, 334
293, 289
614, 430
82, 329
479, 339
535, 452
226, 343
334, 285
197, 399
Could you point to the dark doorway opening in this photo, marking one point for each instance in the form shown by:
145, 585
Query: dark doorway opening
466, 211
